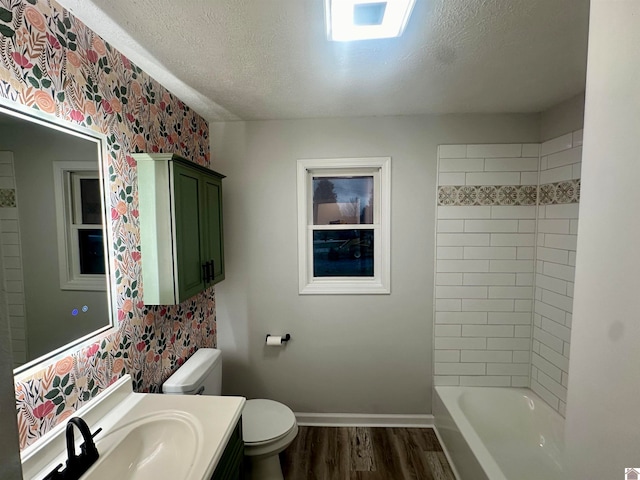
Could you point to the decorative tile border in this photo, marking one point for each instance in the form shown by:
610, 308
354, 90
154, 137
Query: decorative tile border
487, 195
509, 195
560, 192
7, 197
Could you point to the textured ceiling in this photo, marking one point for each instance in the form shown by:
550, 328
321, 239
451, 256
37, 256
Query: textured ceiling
269, 59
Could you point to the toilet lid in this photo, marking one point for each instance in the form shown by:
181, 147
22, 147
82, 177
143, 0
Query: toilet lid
265, 420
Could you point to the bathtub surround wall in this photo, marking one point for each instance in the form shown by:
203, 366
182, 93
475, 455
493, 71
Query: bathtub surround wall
559, 194
52, 62
492, 199
10, 467
485, 261
12, 268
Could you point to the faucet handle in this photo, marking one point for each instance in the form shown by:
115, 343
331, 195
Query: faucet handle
55, 474
88, 447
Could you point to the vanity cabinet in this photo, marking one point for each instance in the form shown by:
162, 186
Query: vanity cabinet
181, 234
231, 464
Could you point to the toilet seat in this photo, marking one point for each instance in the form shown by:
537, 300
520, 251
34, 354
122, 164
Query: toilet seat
266, 421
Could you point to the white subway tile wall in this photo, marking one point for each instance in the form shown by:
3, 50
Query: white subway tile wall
12, 259
505, 265
485, 268
555, 254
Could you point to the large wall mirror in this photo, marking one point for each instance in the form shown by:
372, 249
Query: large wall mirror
54, 243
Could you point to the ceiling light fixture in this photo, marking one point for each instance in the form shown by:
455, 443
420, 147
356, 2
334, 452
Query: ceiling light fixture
366, 19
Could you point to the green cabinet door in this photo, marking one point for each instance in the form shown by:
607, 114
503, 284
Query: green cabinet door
212, 212
189, 230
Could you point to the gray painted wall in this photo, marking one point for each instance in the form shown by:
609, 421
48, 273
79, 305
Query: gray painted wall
349, 354
562, 118
603, 423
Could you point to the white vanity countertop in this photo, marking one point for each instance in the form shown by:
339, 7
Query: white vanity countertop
206, 423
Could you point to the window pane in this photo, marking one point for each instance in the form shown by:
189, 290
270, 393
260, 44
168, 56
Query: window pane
343, 253
342, 200
91, 245
90, 198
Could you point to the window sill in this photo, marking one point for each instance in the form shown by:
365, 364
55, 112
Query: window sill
92, 284
344, 287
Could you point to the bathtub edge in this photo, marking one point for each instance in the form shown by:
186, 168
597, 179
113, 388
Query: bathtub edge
466, 466
445, 450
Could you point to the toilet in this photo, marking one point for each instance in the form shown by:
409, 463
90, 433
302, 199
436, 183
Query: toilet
268, 427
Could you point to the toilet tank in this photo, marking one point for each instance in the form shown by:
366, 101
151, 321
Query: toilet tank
200, 375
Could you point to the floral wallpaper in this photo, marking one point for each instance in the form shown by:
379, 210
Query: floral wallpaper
52, 62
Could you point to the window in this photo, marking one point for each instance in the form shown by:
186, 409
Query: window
343, 225
81, 253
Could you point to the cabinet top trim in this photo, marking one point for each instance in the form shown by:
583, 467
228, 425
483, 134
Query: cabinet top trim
172, 157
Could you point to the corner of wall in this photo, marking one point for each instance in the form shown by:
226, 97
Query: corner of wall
562, 118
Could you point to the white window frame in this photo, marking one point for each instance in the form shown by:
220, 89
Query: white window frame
68, 248
380, 169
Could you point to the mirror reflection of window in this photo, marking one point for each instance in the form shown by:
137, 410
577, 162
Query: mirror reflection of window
79, 225
90, 205
88, 245
91, 252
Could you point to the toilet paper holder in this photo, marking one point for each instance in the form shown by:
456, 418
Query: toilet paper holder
285, 338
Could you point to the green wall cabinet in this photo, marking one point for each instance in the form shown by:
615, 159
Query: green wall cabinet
181, 236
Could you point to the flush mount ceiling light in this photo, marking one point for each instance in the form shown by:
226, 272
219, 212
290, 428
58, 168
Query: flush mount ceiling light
366, 19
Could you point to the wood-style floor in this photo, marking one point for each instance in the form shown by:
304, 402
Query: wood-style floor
361, 453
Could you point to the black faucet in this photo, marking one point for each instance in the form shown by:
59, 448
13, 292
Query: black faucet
77, 464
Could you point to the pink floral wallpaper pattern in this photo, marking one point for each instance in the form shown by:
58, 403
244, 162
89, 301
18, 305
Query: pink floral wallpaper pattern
52, 62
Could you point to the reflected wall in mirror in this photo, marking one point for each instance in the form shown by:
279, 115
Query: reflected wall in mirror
53, 264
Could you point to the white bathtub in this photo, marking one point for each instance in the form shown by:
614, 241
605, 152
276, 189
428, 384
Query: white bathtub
503, 433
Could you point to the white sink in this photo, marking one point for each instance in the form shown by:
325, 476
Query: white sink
144, 436
163, 445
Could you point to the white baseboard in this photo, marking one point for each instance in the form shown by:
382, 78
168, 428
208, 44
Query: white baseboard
362, 420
